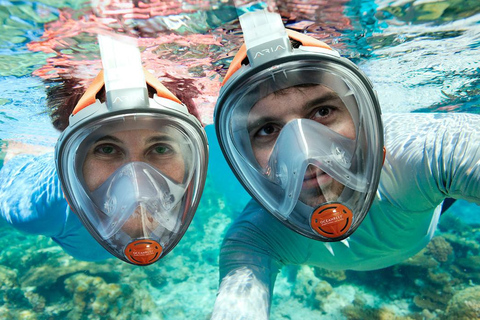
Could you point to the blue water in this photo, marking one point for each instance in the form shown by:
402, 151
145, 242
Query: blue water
422, 56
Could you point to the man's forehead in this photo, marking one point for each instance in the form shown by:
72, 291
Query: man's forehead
300, 94
299, 90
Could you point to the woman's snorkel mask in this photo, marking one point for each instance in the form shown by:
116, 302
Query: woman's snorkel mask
301, 129
133, 167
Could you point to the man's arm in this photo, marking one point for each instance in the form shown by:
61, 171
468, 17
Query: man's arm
432, 157
254, 249
247, 269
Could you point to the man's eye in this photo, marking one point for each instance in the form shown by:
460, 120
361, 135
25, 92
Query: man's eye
323, 112
266, 130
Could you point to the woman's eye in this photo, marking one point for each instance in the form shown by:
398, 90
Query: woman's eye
162, 149
106, 150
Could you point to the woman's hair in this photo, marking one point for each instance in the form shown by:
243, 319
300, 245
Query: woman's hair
64, 94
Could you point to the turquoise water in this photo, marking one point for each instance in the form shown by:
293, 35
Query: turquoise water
422, 56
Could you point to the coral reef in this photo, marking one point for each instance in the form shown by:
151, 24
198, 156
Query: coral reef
440, 249
321, 291
465, 305
335, 276
39, 281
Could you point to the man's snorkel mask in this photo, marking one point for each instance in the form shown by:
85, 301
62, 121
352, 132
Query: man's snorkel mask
132, 168
315, 179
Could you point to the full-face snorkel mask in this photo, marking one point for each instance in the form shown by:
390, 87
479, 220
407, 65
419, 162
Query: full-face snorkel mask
132, 168
301, 129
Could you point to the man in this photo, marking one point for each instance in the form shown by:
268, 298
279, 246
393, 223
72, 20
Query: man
301, 129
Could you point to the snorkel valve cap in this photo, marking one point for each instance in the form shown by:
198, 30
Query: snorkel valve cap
143, 252
120, 58
265, 37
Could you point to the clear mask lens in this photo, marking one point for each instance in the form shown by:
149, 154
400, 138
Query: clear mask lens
138, 190
302, 134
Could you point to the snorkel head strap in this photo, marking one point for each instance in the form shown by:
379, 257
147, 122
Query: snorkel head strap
257, 52
98, 83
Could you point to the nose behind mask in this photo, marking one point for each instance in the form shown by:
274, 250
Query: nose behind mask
298, 146
138, 187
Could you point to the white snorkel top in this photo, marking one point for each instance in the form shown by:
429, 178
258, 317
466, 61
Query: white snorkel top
123, 72
264, 36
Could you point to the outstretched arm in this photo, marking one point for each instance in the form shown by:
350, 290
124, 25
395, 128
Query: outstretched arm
242, 296
247, 269
438, 156
32, 201
30, 196
253, 251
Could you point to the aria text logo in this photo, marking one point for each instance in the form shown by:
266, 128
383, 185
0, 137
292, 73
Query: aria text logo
270, 50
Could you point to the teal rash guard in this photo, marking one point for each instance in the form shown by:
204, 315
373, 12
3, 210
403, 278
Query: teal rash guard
32, 201
429, 157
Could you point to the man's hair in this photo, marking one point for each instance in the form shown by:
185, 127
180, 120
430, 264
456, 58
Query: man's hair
64, 94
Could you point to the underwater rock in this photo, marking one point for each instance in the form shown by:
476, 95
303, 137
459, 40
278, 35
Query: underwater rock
462, 245
307, 287
467, 268
97, 299
8, 278
433, 298
440, 249
429, 303
92, 293
465, 305
10, 292
47, 275
359, 310
322, 290
27, 315
450, 223
5, 313
471, 262
436, 292
305, 282
422, 260
37, 301
335, 275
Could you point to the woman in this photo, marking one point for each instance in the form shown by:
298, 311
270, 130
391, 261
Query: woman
131, 162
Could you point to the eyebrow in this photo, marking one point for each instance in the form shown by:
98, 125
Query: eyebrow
159, 138
108, 138
162, 138
266, 119
327, 97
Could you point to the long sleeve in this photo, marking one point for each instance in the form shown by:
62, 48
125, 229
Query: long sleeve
32, 201
247, 269
431, 157
253, 251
